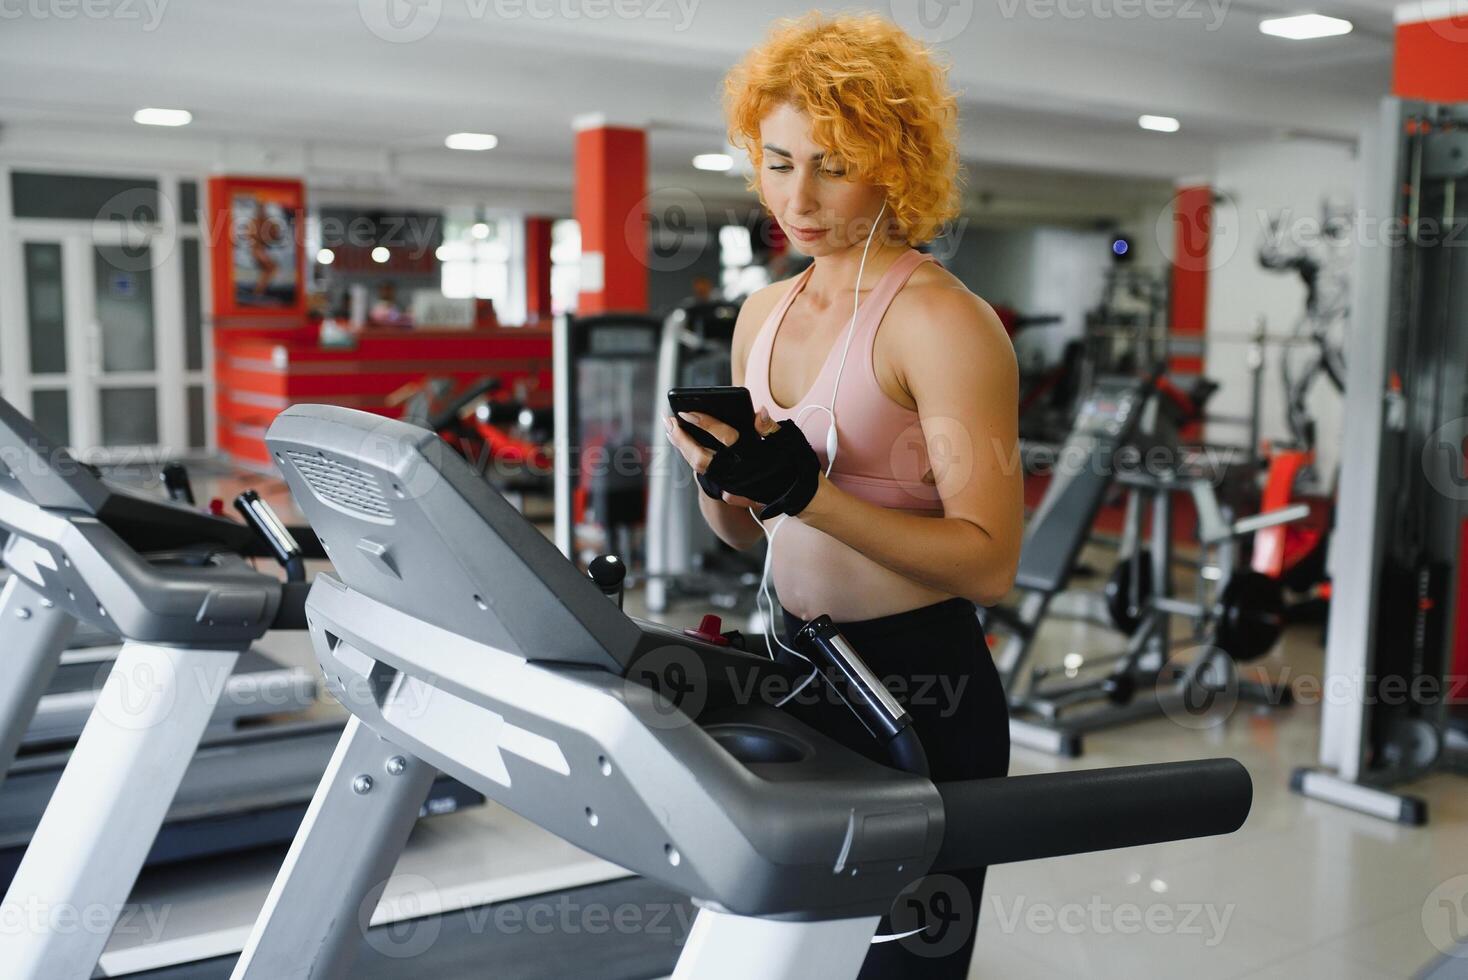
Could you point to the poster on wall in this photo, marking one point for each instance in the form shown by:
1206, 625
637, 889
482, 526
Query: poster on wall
257, 261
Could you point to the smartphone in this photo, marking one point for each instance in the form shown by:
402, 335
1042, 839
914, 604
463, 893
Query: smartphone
727, 403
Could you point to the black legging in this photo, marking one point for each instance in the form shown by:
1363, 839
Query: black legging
936, 661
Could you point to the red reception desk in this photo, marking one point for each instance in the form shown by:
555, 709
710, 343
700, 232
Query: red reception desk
261, 371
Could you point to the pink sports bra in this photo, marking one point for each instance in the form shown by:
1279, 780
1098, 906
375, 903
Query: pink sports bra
882, 455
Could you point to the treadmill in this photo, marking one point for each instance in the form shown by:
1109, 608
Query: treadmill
266, 743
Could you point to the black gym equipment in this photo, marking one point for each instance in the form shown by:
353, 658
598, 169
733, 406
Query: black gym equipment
1126, 434
793, 846
605, 374
1391, 653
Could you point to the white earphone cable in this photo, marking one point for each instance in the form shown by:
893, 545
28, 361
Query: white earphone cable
763, 598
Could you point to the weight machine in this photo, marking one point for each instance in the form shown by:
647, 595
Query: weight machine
1394, 649
1237, 615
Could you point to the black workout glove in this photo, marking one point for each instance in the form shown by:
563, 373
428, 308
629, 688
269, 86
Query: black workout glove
780, 470
710, 488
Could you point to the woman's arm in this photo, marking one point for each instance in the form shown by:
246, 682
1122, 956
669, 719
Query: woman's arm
958, 364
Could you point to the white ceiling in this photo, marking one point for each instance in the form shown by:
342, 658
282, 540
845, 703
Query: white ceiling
1046, 85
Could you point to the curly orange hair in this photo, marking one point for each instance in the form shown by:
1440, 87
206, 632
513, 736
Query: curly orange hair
876, 98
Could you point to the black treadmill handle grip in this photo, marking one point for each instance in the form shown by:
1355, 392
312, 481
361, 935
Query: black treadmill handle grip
1021, 818
449, 414
291, 614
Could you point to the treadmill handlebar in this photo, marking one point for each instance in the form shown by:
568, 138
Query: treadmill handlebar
291, 614
448, 416
268, 525
1021, 818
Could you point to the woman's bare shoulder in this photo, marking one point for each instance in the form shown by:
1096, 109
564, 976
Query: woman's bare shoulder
938, 312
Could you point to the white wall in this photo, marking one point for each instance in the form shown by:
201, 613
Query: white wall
1039, 270
1260, 180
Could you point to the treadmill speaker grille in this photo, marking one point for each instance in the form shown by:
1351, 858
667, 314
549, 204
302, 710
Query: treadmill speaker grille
341, 485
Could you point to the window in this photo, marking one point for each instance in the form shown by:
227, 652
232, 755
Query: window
86, 198
474, 260
565, 265
738, 275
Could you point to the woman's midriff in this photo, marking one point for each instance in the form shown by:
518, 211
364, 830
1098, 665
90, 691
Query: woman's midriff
814, 574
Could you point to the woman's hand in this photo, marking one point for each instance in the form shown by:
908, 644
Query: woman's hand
698, 457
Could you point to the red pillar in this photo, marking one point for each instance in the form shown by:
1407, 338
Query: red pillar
611, 192
537, 269
1192, 218
1432, 36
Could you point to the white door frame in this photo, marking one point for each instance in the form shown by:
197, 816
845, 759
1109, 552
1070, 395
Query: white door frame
170, 377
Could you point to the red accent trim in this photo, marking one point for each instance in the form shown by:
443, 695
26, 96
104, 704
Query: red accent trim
1192, 221
260, 372
1429, 60
611, 207
537, 268
1459, 658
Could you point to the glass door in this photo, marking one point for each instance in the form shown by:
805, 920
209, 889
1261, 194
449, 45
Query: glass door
106, 365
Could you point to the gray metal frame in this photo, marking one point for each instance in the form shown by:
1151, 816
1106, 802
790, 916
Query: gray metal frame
1383, 434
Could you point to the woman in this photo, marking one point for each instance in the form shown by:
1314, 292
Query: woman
851, 131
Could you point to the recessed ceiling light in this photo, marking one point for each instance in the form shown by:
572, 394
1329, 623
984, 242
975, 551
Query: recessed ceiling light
471, 141
380, 254
713, 161
1305, 27
163, 117
326, 256
1159, 124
